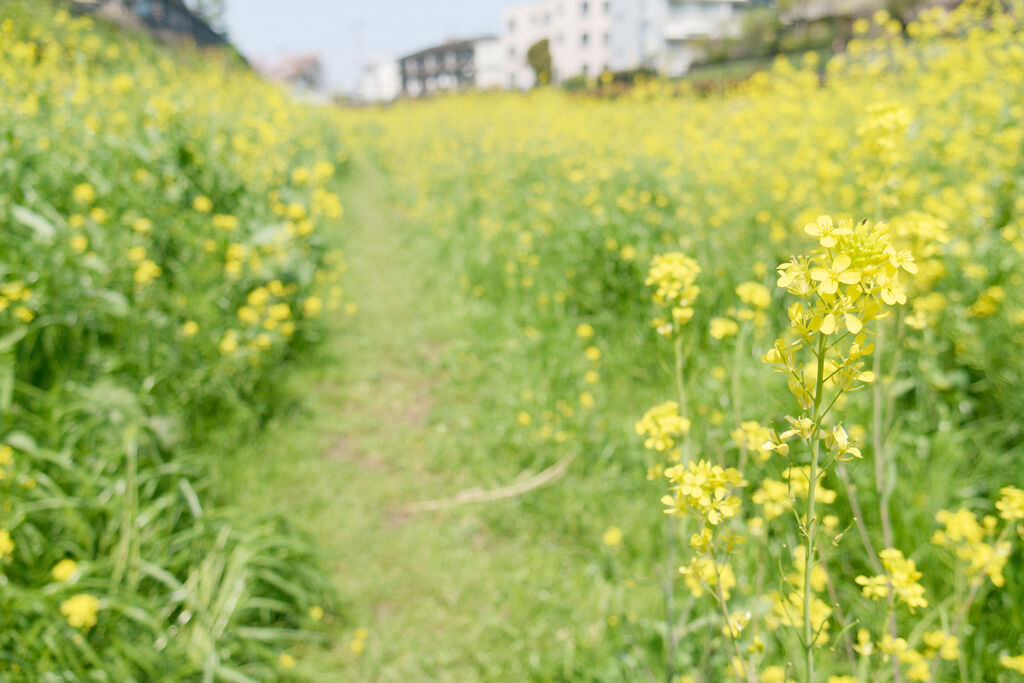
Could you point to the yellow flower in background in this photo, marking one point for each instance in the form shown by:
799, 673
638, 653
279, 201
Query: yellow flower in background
901, 578
593, 353
358, 643
6, 544
720, 328
229, 343
84, 193
1011, 505
248, 315
225, 222
64, 570
142, 226
945, 645
190, 328
80, 611
316, 613
702, 574
202, 204
612, 537
146, 272
286, 661
754, 294
662, 424
313, 307
79, 243
584, 330
1015, 663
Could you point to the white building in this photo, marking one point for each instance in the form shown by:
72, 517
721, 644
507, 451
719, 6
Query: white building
587, 37
454, 65
490, 72
678, 27
381, 80
521, 27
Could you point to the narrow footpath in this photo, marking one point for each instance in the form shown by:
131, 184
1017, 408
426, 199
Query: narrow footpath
427, 587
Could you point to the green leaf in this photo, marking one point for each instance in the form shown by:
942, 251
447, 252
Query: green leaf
8, 341
43, 229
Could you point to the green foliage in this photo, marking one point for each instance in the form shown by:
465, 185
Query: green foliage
159, 266
539, 59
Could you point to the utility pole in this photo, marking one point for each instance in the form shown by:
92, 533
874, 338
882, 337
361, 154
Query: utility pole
357, 54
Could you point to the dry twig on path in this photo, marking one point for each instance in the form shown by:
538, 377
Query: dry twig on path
543, 478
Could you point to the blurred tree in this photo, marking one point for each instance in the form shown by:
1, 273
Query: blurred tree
539, 59
213, 12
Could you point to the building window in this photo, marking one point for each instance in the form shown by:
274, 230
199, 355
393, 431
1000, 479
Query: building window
511, 53
511, 25
607, 8
585, 8
586, 70
547, 18
607, 38
584, 39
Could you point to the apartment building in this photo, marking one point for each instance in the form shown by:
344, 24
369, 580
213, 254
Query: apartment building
454, 65
587, 37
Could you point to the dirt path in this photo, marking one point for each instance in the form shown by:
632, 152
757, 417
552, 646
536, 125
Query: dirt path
374, 441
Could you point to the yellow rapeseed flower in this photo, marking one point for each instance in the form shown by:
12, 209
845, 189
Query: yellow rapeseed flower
80, 611
202, 204
64, 570
612, 536
84, 193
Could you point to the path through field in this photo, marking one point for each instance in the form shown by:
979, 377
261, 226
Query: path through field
433, 589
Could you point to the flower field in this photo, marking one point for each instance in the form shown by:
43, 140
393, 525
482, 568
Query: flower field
880, 435
788, 314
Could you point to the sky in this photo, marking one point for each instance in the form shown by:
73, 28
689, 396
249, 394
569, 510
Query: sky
347, 32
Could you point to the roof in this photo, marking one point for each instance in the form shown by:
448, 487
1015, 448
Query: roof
451, 44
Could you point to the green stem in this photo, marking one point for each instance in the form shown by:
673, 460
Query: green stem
719, 594
680, 386
811, 525
670, 542
668, 590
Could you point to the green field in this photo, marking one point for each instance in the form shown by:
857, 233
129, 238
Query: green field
305, 393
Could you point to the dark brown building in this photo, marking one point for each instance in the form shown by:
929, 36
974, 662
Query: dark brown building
167, 19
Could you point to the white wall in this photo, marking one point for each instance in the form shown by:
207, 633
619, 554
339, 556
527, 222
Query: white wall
588, 36
487, 59
521, 27
582, 37
381, 80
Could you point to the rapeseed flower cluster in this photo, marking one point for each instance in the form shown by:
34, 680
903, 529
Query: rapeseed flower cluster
674, 276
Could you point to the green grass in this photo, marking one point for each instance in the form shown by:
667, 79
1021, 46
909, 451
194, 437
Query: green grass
397, 411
